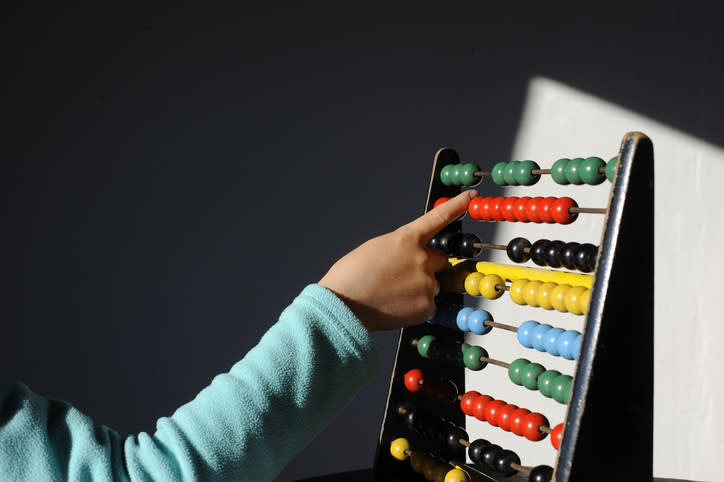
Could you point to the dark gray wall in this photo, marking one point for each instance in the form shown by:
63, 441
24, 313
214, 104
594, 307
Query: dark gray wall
172, 177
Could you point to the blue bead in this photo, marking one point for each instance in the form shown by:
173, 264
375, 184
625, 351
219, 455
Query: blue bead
476, 320
462, 318
524, 333
576, 346
538, 335
550, 341
565, 342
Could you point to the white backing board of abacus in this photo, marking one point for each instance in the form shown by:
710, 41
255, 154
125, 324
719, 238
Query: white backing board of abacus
559, 121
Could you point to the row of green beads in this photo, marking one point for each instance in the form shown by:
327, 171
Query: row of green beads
515, 173
459, 174
427, 348
534, 376
583, 171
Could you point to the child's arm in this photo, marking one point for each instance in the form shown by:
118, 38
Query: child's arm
248, 423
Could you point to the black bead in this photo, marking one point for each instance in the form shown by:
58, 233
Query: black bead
490, 453
434, 242
568, 255
541, 473
410, 417
537, 252
466, 246
424, 424
453, 439
503, 461
585, 258
516, 250
449, 242
475, 451
553, 253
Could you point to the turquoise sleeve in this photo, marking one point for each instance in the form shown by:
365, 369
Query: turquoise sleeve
246, 425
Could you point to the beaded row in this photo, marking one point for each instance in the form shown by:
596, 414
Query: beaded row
545, 338
511, 418
591, 170
530, 334
554, 254
435, 428
550, 296
583, 171
422, 462
427, 347
561, 297
534, 376
524, 209
460, 174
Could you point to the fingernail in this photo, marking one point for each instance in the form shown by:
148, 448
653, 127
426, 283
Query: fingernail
472, 193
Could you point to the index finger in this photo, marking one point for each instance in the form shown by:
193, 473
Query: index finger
434, 220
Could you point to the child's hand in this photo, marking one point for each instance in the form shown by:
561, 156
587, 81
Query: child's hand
389, 282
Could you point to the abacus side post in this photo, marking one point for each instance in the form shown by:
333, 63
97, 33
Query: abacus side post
609, 428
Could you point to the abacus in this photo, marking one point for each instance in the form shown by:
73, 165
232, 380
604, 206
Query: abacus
581, 307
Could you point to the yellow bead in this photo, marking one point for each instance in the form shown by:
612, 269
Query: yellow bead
543, 295
488, 286
517, 288
583, 301
399, 448
570, 299
457, 475
530, 295
472, 283
558, 297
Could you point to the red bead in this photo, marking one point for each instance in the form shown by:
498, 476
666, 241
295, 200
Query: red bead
485, 209
508, 208
413, 379
467, 401
492, 411
439, 390
546, 214
561, 210
440, 201
495, 208
531, 422
557, 436
479, 405
474, 208
532, 209
519, 209
516, 421
505, 416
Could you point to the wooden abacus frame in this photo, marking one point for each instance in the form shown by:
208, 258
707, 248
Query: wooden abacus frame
608, 431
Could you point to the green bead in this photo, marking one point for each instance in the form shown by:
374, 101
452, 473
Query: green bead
545, 382
497, 173
529, 377
571, 171
464, 346
471, 357
523, 174
515, 370
423, 345
467, 174
456, 174
589, 171
558, 171
611, 168
509, 173
562, 388
446, 175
